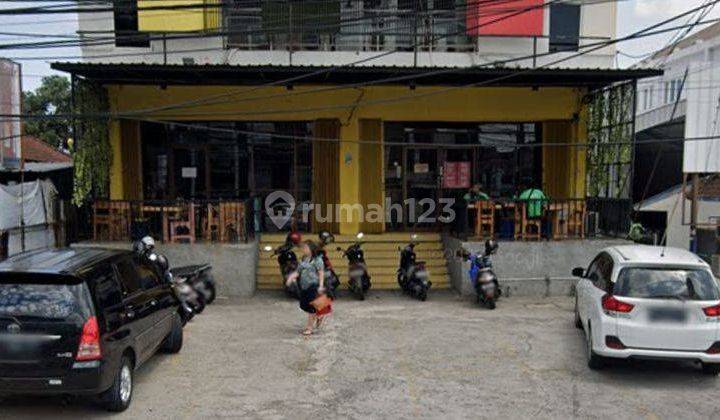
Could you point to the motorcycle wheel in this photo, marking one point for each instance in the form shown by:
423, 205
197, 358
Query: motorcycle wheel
211, 293
200, 306
423, 296
490, 303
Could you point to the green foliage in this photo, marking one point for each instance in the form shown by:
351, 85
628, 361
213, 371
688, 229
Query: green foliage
92, 153
609, 156
51, 98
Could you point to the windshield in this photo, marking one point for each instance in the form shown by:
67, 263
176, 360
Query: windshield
686, 284
46, 301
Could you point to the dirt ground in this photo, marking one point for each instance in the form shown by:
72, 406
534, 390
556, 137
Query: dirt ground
393, 357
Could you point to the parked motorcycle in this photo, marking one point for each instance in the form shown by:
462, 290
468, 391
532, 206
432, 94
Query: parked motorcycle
331, 281
189, 304
482, 276
287, 260
359, 279
412, 276
200, 278
187, 294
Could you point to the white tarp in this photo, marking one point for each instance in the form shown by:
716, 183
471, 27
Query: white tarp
33, 200
38, 210
702, 119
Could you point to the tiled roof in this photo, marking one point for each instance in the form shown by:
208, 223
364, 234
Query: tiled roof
36, 150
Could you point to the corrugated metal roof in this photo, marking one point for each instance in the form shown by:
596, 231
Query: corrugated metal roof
208, 74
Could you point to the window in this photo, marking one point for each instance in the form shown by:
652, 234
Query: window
47, 301
645, 99
651, 96
600, 272
129, 276
107, 289
564, 27
148, 276
639, 282
125, 18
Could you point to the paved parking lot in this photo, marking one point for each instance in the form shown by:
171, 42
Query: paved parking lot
392, 357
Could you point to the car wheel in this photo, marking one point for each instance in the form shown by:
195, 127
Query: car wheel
578, 321
119, 396
711, 368
594, 361
174, 340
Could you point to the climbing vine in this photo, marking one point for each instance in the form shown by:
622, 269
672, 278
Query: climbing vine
92, 154
610, 135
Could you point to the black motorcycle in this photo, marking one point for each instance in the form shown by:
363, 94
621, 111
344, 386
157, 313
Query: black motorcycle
182, 285
287, 260
359, 279
200, 278
331, 280
482, 276
412, 276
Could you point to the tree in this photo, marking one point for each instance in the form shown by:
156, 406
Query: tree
51, 98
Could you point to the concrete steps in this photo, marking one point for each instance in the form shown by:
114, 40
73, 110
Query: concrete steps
381, 255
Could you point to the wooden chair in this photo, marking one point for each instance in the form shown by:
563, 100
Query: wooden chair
232, 221
485, 219
111, 220
559, 212
185, 221
576, 219
526, 228
211, 223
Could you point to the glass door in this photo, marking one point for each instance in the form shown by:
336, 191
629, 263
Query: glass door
422, 185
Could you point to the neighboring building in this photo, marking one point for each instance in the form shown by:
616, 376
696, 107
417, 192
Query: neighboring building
683, 103
10, 98
681, 109
36, 150
437, 105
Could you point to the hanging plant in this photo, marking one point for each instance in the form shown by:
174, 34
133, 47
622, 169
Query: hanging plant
92, 154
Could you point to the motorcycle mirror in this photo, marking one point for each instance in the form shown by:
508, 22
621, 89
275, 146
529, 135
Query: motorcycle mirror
360, 235
267, 248
578, 272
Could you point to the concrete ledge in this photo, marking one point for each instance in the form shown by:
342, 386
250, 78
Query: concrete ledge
234, 265
539, 269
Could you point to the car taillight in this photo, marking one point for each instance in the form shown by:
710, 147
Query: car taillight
610, 304
712, 311
89, 347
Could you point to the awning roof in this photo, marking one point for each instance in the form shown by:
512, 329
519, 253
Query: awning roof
198, 74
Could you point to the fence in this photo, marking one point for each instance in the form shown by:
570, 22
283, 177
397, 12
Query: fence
228, 221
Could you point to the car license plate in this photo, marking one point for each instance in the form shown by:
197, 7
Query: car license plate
666, 315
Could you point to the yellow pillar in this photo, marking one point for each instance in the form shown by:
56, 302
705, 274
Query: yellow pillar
349, 178
117, 190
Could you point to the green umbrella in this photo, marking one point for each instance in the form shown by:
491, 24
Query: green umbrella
535, 199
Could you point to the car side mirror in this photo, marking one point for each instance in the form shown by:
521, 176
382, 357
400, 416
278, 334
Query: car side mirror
578, 272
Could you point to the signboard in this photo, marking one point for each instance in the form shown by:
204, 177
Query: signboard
485, 18
456, 175
421, 168
10, 130
189, 172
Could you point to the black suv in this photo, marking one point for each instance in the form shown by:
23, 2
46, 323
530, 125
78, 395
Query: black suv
80, 321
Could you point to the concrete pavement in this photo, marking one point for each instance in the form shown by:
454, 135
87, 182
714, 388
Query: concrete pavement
393, 357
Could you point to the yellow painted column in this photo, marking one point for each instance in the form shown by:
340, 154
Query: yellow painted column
117, 189
349, 173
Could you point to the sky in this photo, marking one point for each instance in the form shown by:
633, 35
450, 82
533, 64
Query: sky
632, 15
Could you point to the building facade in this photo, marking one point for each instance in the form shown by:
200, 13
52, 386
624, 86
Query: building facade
348, 102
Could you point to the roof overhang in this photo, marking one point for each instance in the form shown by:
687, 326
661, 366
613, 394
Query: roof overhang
177, 74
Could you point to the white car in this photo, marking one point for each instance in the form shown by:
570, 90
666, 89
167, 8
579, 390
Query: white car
637, 301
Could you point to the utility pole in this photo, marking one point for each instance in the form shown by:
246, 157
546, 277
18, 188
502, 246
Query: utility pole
694, 211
